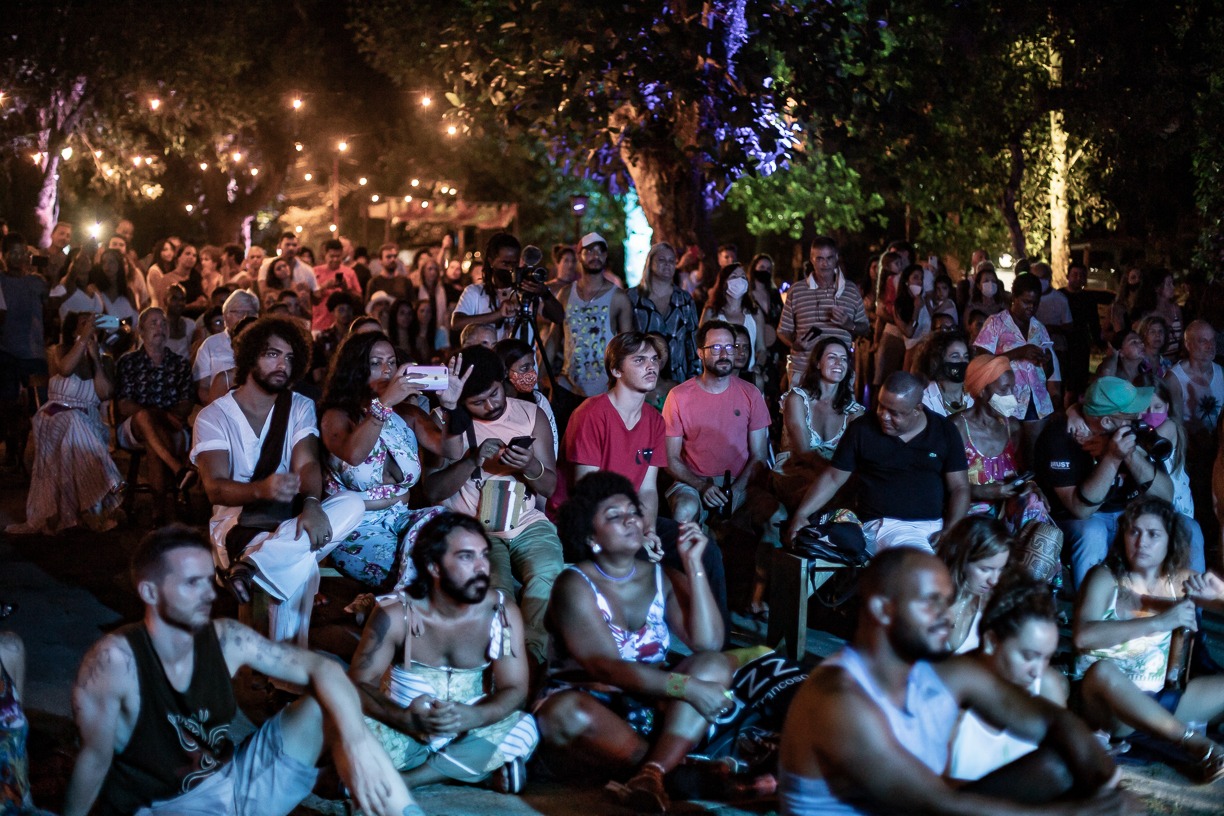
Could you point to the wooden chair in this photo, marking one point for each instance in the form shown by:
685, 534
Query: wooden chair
793, 581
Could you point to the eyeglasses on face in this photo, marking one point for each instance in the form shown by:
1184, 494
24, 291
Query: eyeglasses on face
719, 348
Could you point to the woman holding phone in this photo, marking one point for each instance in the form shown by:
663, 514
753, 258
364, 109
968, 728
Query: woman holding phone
373, 449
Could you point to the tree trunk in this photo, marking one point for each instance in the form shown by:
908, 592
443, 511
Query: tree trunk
1060, 211
1011, 194
46, 207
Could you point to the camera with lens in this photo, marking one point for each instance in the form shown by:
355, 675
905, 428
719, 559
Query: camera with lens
533, 274
1151, 442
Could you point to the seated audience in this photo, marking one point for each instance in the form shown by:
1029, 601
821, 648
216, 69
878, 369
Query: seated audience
975, 550
522, 379
1019, 635
612, 700
888, 697
503, 475
257, 450
155, 708
110, 280
372, 450
74, 480
815, 415
442, 668
911, 468
1127, 611
213, 369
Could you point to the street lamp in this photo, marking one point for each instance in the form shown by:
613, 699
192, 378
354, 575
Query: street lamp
578, 205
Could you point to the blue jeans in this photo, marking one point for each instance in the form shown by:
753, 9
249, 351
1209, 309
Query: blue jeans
1088, 540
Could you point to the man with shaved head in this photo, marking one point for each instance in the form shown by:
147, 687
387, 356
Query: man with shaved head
886, 697
913, 478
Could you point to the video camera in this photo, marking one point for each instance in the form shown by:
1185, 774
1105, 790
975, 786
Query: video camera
529, 271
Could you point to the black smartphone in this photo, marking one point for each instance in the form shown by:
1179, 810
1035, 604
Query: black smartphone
1020, 480
521, 442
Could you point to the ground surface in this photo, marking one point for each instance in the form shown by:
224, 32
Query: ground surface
73, 588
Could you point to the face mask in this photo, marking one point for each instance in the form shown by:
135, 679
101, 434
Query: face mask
1007, 405
524, 381
1045, 286
1154, 419
989, 289
737, 287
955, 372
915, 289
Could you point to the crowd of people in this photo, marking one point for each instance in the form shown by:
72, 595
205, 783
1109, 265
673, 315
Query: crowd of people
549, 494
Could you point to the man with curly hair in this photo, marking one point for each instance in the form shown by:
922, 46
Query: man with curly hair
257, 448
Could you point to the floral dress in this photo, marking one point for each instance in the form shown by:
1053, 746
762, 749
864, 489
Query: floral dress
999, 335
379, 551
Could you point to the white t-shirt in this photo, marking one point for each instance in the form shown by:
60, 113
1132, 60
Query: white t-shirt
123, 309
221, 425
79, 301
475, 301
182, 345
213, 356
302, 273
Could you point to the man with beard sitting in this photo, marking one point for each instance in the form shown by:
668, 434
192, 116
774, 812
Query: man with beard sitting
882, 699
257, 448
442, 670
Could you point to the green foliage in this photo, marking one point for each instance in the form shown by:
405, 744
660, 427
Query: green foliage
817, 190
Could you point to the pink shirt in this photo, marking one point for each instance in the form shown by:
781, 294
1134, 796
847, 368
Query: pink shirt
715, 427
321, 318
1000, 334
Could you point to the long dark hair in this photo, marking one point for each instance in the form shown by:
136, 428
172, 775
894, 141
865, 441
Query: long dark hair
1017, 600
843, 395
391, 324
98, 276
718, 295
906, 303
269, 278
1176, 560
936, 346
347, 387
1147, 296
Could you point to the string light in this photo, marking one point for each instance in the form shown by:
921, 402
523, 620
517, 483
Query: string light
374, 199
298, 146
363, 181
415, 182
453, 191
190, 208
254, 171
95, 230
426, 101
308, 176
66, 153
298, 228
97, 154
37, 157
297, 103
407, 199
154, 103
203, 165
148, 160
237, 156
424, 205
331, 227
136, 160
451, 130
109, 171
342, 146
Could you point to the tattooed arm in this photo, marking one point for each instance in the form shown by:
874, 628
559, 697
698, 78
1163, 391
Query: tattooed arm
104, 702
363, 764
374, 654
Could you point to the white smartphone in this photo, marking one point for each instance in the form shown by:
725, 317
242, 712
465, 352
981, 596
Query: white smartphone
428, 378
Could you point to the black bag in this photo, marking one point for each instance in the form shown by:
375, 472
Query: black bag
265, 515
751, 732
836, 536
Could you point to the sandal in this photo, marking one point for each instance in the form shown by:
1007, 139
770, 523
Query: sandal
239, 579
509, 778
1209, 767
645, 793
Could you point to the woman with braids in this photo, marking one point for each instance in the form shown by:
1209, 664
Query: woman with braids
1127, 612
373, 449
612, 700
1019, 635
975, 550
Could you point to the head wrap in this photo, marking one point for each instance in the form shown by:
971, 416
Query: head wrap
983, 370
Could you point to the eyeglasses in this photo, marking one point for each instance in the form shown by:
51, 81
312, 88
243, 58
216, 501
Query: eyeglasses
719, 348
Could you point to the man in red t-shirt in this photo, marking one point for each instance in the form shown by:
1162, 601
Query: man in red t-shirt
332, 277
618, 431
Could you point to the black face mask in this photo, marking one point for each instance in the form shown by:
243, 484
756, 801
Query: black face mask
955, 372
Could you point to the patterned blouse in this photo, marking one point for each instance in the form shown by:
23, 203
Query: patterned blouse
999, 335
679, 327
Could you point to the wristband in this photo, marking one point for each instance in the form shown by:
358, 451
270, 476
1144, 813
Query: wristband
537, 476
676, 685
379, 411
1079, 494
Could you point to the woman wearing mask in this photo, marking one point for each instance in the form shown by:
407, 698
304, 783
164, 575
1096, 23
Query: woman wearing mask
522, 379
945, 359
730, 301
1168, 427
913, 319
987, 296
997, 488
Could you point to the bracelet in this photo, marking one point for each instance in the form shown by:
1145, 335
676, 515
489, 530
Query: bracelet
1079, 494
537, 476
379, 411
676, 685
698, 574
308, 498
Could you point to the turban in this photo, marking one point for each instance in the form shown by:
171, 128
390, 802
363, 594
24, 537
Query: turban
983, 370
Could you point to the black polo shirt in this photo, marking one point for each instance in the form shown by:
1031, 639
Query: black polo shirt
1061, 462
898, 479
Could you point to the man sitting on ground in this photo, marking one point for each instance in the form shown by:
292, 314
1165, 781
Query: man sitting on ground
913, 477
881, 699
269, 524
506, 486
442, 669
155, 708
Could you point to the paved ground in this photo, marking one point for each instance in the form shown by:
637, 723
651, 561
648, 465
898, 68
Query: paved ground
73, 588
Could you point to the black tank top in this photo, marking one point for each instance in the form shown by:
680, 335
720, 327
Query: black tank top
179, 739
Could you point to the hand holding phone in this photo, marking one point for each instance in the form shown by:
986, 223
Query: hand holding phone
521, 442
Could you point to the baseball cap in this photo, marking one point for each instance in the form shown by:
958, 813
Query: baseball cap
1113, 395
592, 238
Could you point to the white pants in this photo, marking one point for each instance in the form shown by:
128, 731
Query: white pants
287, 569
885, 533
